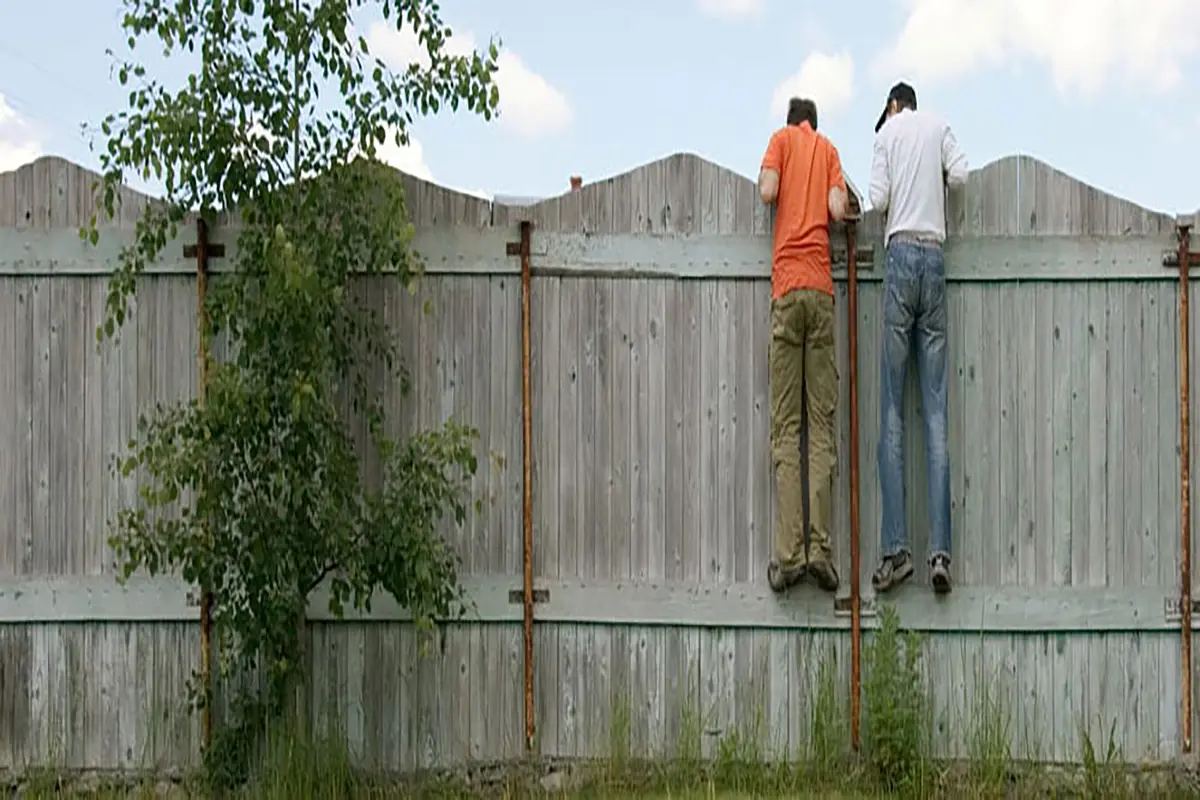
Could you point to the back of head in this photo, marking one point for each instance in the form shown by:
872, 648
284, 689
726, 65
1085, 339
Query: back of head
801, 109
901, 97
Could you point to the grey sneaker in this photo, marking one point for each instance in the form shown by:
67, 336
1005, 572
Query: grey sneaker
780, 579
892, 570
939, 573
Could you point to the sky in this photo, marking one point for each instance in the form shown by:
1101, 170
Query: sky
1105, 90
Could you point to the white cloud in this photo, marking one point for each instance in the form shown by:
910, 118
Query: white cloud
410, 159
1085, 44
826, 79
18, 143
732, 9
530, 106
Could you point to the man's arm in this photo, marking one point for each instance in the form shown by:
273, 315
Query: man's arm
839, 200
880, 190
768, 185
954, 161
772, 165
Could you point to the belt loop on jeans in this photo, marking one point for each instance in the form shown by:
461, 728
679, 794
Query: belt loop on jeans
924, 240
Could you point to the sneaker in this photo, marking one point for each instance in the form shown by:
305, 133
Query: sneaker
825, 575
939, 573
892, 570
780, 579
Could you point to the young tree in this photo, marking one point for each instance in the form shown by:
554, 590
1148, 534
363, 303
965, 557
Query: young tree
256, 494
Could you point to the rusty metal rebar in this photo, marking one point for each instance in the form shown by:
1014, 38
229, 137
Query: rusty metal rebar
202, 383
1185, 489
527, 459
855, 588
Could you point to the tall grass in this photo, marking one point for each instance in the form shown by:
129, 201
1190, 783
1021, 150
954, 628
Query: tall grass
989, 732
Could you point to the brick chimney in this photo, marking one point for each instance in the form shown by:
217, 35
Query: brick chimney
576, 183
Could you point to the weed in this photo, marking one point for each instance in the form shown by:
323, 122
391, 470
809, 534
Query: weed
896, 700
739, 763
618, 734
829, 728
989, 742
1102, 778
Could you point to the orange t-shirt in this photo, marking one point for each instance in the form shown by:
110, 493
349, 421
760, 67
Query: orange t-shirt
808, 167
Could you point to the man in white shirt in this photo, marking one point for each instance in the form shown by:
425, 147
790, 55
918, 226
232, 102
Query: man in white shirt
916, 156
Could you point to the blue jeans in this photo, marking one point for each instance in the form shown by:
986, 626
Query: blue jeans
914, 313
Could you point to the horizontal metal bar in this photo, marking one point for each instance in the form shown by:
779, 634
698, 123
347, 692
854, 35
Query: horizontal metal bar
1173, 610
969, 609
1171, 259
210, 251
464, 250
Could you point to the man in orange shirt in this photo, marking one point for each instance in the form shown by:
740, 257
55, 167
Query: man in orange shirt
802, 175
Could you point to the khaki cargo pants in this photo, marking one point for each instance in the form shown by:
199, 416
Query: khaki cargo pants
803, 369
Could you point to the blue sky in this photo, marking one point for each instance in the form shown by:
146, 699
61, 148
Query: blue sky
1107, 90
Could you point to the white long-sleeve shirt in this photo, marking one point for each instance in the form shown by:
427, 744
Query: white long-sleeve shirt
913, 150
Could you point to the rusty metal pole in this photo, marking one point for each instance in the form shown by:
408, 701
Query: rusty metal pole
1185, 489
202, 365
527, 459
855, 588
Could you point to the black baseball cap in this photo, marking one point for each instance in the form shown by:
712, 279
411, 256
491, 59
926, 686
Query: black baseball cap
901, 92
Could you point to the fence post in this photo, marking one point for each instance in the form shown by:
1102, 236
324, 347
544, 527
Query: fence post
203, 250
1185, 489
527, 466
855, 589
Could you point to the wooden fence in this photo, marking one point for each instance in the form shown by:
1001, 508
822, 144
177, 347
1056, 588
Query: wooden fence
652, 484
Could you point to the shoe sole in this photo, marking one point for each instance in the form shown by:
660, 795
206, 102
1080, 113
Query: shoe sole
826, 581
785, 582
941, 584
898, 577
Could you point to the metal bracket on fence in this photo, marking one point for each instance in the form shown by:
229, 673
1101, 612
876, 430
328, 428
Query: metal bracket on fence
1171, 258
841, 606
211, 249
864, 259
517, 596
1173, 609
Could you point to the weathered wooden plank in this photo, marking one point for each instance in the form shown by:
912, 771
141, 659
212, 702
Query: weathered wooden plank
1061, 410
546, 379
640, 534
615, 426
755, 388
688, 372
991, 257
1007, 317
658, 433
1042, 537
1097, 433
708, 435
1114, 495
12, 438
730, 605
484, 408
43, 553
728, 531
483, 251
977, 350
571, 476
1130, 463
500, 538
